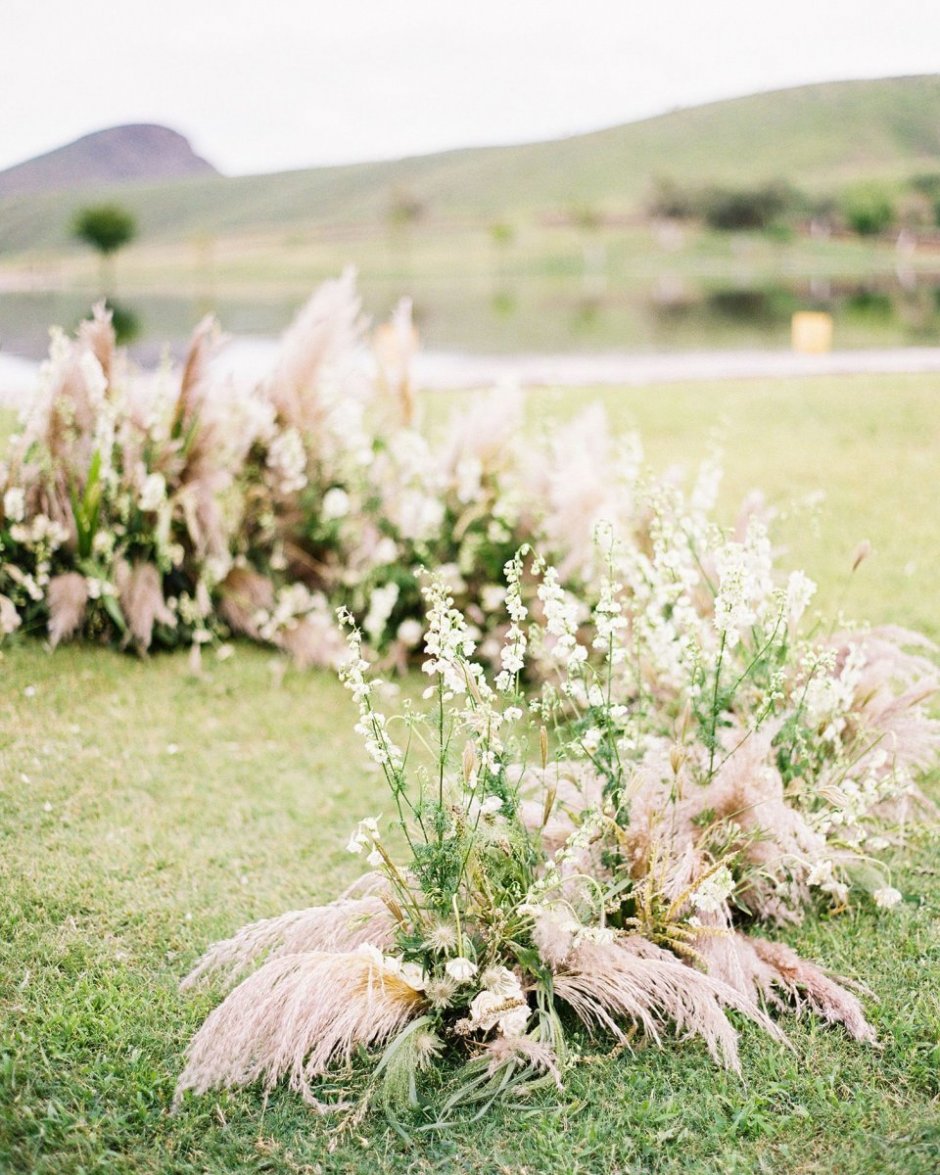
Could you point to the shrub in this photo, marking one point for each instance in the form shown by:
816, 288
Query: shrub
733, 209
672, 201
868, 211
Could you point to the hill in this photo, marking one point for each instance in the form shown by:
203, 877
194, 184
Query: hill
119, 155
819, 137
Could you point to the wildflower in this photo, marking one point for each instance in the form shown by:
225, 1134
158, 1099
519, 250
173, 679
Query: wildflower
821, 874
714, 891
153, 493
410, 633
336, 503
484, 809
410, 973
887, 897
800, 590
14, 504
460, 969
488, 1010
381, 606
365, 837
501, 981
441, 991
442, 937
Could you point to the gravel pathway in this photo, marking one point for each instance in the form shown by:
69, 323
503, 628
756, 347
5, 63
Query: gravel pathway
249, 359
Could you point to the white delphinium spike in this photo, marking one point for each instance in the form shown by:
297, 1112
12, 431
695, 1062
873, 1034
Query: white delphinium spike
512, 654
372, 725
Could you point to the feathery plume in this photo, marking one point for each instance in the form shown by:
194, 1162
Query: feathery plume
67, 596
140, 594
340, 926
293, 1017
632, 979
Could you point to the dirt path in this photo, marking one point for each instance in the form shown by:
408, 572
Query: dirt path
249, 359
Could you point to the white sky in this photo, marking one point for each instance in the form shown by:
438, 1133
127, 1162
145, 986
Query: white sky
260, 85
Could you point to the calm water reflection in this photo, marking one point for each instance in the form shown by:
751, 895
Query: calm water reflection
537, 315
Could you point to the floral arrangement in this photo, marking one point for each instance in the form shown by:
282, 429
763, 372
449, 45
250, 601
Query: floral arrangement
173, 508
615, 849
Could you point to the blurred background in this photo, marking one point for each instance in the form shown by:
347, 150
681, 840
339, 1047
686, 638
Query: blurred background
607, 181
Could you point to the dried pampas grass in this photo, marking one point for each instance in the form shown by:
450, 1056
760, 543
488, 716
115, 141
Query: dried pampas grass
339, 926
140, 594
68, 598
326, 331
295, 1016
805, 983
243, 594
632, 979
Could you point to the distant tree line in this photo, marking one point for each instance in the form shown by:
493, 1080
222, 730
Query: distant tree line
867, 209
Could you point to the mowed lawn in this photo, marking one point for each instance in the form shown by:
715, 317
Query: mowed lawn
145, 813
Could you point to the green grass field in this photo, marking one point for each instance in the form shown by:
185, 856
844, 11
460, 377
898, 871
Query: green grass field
144, 813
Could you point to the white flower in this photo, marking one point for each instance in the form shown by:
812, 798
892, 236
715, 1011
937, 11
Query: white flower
366, 836
153, 492
410, 633
413, 975
820, 874
14, 504
886, 898
381, 605
502, 982
335, 503
507, 1011
9, 617
712, 893
461, 969
287, 460
482, 809
800, 590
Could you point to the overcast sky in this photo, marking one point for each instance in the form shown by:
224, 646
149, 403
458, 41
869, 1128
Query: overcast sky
271, 84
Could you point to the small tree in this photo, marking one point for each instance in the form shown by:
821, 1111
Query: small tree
869, 211
107, 228
740, 209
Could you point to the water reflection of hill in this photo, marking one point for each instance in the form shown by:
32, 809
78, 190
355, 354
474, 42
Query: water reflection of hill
536, 314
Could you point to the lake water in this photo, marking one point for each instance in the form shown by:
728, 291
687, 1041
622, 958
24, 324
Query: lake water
534, 316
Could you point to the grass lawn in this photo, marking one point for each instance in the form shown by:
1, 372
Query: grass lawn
144, 813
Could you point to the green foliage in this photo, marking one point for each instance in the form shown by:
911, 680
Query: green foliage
869, 210
734, 209
105, 227
405, 208
672, 200
586, 217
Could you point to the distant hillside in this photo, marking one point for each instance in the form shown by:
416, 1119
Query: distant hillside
120, 155
818, 137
